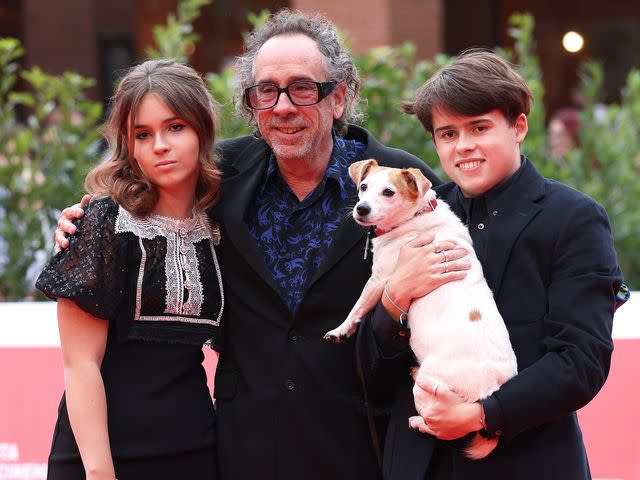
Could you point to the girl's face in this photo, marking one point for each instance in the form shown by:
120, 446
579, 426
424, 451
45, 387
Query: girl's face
165, 147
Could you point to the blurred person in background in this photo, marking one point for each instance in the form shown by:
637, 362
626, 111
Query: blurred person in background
563, 132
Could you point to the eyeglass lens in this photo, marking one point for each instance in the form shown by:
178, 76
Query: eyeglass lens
300, 93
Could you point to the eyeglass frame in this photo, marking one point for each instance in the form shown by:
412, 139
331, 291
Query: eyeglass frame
324, 90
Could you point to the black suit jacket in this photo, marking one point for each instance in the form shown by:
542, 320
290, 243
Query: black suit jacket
552, 267
289, 403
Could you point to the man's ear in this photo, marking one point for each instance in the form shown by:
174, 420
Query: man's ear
522, 127
359, 170
339, 95
417, 183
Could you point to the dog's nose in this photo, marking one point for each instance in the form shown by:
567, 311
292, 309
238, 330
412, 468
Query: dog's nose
363, 209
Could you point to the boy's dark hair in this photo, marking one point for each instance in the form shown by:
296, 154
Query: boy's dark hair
477, 82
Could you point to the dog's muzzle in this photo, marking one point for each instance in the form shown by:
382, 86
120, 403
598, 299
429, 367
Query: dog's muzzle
363, 209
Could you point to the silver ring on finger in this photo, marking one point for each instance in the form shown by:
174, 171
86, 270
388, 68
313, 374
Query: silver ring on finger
436, 245
446, 267
444, 254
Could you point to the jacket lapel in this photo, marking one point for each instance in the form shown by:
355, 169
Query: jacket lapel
347, 235
516, 208
239, 187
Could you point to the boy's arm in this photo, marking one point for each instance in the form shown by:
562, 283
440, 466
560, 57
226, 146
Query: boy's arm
577, 342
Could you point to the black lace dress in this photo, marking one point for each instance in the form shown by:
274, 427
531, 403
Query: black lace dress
157, 282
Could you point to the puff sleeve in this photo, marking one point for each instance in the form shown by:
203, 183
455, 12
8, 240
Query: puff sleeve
91, 272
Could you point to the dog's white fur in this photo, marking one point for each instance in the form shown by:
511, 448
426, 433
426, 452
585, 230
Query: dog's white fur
457, 333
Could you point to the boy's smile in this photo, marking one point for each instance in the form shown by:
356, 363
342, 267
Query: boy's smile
478, 152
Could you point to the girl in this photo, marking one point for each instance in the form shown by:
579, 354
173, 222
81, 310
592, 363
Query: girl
139, 291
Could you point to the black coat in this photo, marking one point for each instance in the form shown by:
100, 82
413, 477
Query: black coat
551, 264
289, 403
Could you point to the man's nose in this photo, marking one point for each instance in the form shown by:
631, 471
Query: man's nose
284, 104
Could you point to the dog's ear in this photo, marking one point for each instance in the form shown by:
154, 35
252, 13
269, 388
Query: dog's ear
417, 183
359, 170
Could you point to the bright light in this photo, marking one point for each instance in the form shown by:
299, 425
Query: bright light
572, 42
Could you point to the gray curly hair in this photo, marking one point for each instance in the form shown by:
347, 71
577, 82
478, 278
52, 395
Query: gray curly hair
338, 61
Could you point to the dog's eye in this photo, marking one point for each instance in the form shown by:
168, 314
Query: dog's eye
363, 187
387, 192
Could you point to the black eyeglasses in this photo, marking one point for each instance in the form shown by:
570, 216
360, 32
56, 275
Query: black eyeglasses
301, 93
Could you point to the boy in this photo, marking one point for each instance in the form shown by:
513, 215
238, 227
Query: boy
548, 256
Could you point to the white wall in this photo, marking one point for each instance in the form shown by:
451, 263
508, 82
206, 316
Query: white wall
33, 324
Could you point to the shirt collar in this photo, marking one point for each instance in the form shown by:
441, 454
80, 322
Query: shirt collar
491, 196
344, 153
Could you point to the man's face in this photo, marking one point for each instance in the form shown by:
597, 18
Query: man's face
296, 134
478, 152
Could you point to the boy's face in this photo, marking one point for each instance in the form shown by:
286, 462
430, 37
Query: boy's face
478, 152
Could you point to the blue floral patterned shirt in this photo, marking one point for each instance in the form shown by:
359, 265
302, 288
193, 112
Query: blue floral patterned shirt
295, 236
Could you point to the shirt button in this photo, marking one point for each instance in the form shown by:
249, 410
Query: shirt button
293, 336
289, 385
481, 226
186, 308
183, 250
187, 285
494, 213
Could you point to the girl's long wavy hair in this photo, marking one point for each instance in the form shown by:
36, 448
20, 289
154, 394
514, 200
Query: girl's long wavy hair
185, 93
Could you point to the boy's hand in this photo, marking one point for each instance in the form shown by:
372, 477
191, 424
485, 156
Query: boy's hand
442, 412
65, 223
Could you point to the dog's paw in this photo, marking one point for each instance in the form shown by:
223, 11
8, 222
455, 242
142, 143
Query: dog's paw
334, 337
340, 334
337, 335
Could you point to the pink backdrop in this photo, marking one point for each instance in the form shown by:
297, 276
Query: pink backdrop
31, 383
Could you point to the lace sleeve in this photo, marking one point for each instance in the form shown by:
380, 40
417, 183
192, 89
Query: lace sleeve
91, 272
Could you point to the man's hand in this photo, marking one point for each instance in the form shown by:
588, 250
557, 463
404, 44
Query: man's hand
442, 412
423, 265
65, 223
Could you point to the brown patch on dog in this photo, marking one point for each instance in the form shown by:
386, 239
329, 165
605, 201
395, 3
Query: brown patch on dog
405, 183
410, 181
475, 315
359, 170
414, 372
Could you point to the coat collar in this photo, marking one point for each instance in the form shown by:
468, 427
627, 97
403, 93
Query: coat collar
512, 210
245, 161
240, 182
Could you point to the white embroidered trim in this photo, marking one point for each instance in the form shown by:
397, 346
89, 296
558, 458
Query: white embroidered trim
181, 262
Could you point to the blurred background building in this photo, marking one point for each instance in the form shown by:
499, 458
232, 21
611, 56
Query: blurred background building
99, 38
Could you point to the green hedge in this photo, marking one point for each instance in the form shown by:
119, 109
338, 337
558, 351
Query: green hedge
43, 161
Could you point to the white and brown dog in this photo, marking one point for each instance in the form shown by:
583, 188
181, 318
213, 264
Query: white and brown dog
457, 333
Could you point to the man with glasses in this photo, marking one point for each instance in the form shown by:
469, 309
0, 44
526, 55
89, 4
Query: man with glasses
289, 403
